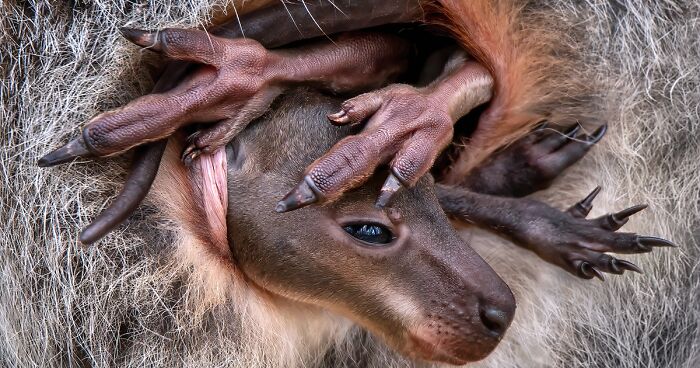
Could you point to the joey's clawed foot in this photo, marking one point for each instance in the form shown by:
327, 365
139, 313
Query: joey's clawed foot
229, 88
577, 244
405, 125
234, 83
564, 238
533, 162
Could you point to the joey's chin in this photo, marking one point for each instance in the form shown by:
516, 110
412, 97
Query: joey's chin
444, 346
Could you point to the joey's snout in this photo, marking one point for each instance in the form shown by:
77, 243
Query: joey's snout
462, 330
467, 311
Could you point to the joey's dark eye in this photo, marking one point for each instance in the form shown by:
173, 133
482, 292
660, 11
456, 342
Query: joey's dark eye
370, 233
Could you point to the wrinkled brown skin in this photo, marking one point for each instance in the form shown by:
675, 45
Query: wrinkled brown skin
427, 293
410, 125
236, 83
491, 198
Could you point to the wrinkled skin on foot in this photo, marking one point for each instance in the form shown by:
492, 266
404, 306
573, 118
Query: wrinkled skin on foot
533, 162
564, 238
235, 82
405, 125
230, 87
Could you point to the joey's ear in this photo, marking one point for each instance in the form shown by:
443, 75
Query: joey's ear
209, 177
195, 196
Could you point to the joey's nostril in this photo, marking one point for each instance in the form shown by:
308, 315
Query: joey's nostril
495, 320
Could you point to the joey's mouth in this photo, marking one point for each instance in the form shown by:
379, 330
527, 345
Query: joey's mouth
425, 345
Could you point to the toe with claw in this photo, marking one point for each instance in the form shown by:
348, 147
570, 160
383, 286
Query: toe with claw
404, 126
564, 238
579, 245
533, 162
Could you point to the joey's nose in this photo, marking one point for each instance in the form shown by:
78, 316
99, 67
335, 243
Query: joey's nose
495, 320
496, 309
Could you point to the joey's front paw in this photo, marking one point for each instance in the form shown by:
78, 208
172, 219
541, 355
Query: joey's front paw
405, 125
228, 89
579, 245
532, 162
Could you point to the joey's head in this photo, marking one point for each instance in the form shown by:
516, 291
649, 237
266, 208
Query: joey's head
401, 272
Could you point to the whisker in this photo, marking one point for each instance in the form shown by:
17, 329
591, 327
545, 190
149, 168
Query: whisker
240, 25
284, 3
314, 20
337, 8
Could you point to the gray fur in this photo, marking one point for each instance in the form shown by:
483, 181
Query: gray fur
123, 303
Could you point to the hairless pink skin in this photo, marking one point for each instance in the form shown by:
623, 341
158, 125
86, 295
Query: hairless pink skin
210, 177
236, 83
410, 124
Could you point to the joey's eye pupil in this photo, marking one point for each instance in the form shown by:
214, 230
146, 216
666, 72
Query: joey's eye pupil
370, 233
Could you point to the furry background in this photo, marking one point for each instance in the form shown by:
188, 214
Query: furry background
123, 303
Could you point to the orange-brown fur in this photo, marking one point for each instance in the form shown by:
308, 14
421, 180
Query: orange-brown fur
534, 78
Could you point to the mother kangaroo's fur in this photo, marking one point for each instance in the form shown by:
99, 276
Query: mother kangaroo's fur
132, 300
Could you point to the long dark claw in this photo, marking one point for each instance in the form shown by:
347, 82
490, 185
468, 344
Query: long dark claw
583, 207
571, 132
625, 265
653, 241
624, 214
142, 38
589, 271
614, 267
597, 135
301, 196
615, 221
71, 150
391, 186
136, 187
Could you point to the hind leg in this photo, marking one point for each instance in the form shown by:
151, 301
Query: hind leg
531, 163
404, 126
234, 84
564, 238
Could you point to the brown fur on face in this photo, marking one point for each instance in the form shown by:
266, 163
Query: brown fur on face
426, 293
